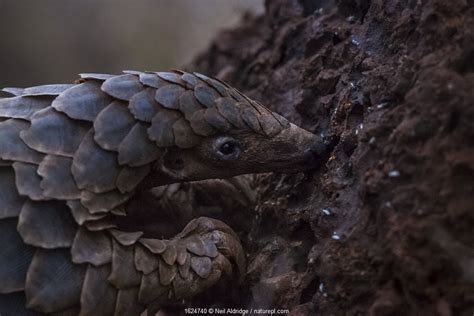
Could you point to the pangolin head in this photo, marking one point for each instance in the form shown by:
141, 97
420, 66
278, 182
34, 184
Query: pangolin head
217, 132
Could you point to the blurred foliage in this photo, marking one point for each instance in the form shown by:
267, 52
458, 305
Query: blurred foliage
50, 41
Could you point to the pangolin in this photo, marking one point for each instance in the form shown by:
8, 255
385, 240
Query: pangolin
74, 157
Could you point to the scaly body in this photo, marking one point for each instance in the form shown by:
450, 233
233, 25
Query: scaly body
74, 157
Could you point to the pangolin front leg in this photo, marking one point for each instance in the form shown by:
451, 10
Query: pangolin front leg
73, 157
147, 272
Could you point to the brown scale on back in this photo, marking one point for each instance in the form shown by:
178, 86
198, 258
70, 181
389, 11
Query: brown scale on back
74, 158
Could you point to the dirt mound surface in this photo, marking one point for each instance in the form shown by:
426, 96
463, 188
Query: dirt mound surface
386, 226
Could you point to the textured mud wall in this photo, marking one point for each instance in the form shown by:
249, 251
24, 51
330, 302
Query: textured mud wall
386, 227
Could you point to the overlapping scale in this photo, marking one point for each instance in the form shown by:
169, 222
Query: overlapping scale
188, 104
143, 105
44, 90
151, 288
98, 296
184, 136
57, 180
156, 246
10, 201
161, 129
171, 77
28, 182
136, 149
15, 257
47, 225
91, 247
250, 117
53, 282
230, 110
12, 146
126, 238
112, 125
199, 124
151, 80
168, 96
206, 95
96, 76
127, 303
129, 178
123, 274
101, 203
166, 272
202, 266
170, 254
270, 125
216, 120
145, 261
54, 133
93, 167
122, 87
22, 107
190, 79
83, 101
81, 214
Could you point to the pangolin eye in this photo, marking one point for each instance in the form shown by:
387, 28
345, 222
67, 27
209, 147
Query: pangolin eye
227, 148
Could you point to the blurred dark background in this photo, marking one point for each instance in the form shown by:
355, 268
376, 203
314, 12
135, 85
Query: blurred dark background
51, 41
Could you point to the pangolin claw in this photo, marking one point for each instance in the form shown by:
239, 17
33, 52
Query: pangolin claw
192, 262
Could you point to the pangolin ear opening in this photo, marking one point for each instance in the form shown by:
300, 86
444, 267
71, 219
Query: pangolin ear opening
173, 163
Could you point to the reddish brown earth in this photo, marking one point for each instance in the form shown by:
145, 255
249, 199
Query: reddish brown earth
386, 227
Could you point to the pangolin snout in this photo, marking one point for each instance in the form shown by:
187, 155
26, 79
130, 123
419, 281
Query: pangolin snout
300, 149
